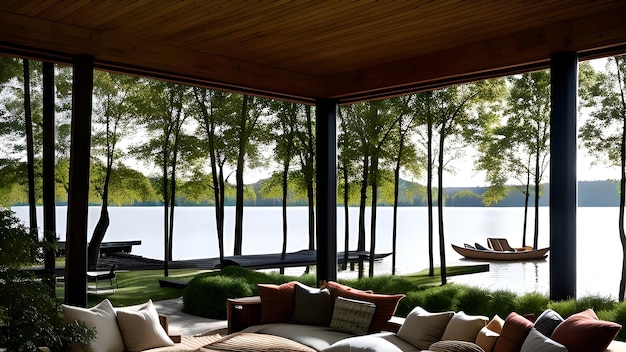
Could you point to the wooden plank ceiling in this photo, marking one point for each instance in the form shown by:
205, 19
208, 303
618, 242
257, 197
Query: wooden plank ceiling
301, 50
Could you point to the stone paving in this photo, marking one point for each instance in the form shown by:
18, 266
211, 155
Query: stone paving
187, 324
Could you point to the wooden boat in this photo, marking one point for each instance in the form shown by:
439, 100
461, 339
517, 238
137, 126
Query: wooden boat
489, 254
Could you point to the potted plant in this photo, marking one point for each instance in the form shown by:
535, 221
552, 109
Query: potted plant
30, 315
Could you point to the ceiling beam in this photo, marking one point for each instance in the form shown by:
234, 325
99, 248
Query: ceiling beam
521, 52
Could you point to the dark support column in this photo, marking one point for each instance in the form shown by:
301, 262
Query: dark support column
563, 180
49, 198
326, 189
77, 202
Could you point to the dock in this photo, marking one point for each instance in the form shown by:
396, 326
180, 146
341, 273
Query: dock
106, 248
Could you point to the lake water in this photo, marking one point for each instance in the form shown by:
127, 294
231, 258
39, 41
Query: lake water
599, 249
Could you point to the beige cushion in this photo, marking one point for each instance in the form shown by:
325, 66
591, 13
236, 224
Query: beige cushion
463, 327
141, 329
421, 328
102, 318
496, 324
352, 316
487, 339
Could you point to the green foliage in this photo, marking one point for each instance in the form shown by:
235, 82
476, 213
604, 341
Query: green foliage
474, 300
532, 303
502, 303
206, 295
30, 316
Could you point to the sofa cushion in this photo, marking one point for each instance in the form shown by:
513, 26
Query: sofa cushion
352, 316
486, 339
383, 341
584, 332
538, 342
102, 318
421, 328
312, 306
463, 327
316, 337
513, 334
248, 342
385, 304
277, 302
141, 329
455, 346
547, 322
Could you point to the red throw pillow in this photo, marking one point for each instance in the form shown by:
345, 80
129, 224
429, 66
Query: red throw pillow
385, 304
277, 302
513, 334
583, 332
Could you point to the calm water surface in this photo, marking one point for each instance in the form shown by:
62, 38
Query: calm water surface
599, 249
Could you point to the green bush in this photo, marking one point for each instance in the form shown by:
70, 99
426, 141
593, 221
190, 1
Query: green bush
474, 300
502, 303
206, 295
564, 308
532, 303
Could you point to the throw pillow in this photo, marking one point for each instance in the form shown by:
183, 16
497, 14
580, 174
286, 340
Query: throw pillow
421, 328
513, 334
102, 318
385, 304
352, 316
370, 343
141, 329
496, 324
463, 327
538, 342
312, 306
584, 332
487, 339
455, 346
277, 302
547, 322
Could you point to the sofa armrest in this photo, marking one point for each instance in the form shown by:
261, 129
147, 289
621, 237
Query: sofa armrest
164, 320
393, 324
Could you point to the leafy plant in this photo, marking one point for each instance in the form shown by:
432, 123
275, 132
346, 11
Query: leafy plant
206, 295
30, 316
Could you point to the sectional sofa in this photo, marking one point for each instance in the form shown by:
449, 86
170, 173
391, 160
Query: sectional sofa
337, 318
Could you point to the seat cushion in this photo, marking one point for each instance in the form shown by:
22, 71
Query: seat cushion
384, 341
316, 337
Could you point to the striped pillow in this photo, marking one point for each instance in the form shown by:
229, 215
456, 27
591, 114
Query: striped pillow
352, 316
455, 346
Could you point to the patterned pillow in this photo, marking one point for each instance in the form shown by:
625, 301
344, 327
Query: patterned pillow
352, 316
385, 304
455, 346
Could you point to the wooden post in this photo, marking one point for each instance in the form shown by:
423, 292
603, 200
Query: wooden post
563, 180
77, 202
49, 198
326, 190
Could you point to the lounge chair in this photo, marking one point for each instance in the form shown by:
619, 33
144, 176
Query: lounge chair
502, 245
103, 275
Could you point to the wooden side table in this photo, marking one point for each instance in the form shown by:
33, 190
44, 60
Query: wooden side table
243, 312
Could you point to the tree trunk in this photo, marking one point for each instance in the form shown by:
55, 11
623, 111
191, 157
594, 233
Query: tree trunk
373, 218
396, 191
526, 201
442, 247
537, 186
166, 201
346, 215
30, 154
284, 195
239, 178
93, 250
364, 183
429, 197
622, 193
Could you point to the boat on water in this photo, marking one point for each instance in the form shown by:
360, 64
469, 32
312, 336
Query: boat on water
501, 251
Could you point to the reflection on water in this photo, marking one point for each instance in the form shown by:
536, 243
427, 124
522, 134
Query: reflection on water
519, 277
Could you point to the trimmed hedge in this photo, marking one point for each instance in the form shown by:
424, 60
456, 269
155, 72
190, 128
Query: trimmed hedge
206, 295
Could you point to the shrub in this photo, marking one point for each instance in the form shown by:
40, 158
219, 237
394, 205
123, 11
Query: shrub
386, 284
474, 300
502, 303
564, 308
206, 295
596, 302
532, 303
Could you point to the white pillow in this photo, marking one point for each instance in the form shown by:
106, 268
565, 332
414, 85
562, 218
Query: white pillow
102, 318
537, 342
141, 329
421, 328
463, 327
